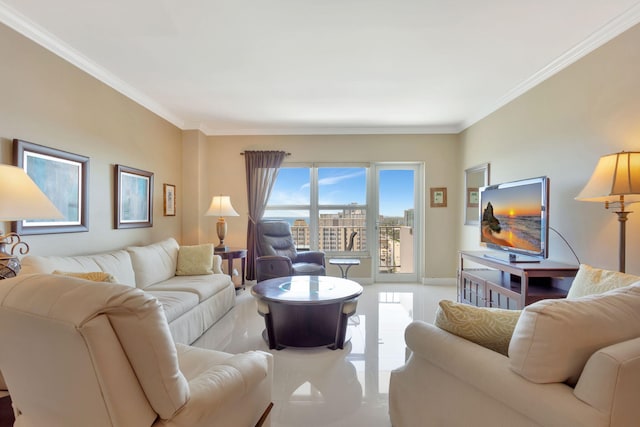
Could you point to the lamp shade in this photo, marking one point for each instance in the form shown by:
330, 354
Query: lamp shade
21, 198
221, 206
615, 175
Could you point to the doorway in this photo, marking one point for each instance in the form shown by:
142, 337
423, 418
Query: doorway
398, 222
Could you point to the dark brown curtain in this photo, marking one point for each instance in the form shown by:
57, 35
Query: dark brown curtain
261, 169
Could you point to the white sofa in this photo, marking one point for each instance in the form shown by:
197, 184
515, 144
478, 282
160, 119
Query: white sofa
192, 303
571, 362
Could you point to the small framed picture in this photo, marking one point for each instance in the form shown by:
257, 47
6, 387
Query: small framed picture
169, 200
473, 197
438, 197
133, 198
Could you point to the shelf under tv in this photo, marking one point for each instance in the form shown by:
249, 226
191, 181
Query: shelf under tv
492, 282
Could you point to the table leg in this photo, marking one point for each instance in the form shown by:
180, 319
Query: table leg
243, 262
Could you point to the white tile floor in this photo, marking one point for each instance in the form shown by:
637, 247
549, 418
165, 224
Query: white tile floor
349, 387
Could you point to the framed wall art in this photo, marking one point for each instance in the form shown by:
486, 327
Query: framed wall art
133, 197
438, 197
169, 192
64, 178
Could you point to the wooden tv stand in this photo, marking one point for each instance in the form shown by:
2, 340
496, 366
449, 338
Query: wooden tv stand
511, 285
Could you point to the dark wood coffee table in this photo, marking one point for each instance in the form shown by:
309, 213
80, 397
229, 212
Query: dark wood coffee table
306, 311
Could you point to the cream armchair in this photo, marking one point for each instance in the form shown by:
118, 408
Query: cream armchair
80, 353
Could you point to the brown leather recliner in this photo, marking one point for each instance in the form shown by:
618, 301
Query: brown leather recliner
278, 257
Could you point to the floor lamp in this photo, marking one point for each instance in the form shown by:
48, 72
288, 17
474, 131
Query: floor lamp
21, 199
616, 182
221, 207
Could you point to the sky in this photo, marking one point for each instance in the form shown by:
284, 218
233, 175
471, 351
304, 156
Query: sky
515, 201
344, 186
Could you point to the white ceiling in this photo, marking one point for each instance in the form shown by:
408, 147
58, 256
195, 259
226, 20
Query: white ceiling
321, 66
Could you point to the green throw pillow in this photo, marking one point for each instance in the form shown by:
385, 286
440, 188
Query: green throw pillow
195, 260
489, 327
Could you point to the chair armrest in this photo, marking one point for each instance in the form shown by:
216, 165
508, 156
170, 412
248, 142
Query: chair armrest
489, 372
609, 381
270, 266
314, 257
217, 265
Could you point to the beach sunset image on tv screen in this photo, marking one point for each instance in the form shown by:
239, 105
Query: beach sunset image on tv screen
512, 217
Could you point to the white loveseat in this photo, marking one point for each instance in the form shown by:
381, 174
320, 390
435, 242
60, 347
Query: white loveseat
571, 363
191, 303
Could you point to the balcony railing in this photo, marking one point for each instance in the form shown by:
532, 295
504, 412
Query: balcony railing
395, 243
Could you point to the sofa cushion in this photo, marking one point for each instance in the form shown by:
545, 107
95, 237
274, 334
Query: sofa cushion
94, 276
175, 303
590, 280
154, 263
204, 286
554, 339
195, 260
489, 327
117, 263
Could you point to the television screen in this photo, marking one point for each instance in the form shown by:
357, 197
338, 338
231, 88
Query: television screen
514, 217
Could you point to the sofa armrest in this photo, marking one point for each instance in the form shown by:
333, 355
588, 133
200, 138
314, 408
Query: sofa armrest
488, 371
610, 382
217, 265
270, 266
314, 257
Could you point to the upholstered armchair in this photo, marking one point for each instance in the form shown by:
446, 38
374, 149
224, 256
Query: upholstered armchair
80, 353
278, 257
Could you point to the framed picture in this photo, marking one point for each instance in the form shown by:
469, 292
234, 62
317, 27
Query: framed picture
473, 197
133, 198
438, 197
64, 178
169, 200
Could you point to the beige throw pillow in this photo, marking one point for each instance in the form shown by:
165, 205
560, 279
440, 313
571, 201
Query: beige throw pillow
554, 339
489, 327
590, 280
94, 276
195, 260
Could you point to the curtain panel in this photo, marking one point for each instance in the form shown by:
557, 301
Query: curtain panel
261, 170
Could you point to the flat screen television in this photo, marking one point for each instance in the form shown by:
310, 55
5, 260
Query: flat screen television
514, 218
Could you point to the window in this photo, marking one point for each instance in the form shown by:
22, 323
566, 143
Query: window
325, 205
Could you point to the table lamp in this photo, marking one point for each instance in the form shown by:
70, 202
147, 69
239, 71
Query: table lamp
616, 182
221, 207
21, 199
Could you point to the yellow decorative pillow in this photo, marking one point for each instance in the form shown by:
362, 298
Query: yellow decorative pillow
94, 276
195, 260
489, 327
590, 281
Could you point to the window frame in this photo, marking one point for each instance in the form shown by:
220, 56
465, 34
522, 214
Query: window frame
314, 207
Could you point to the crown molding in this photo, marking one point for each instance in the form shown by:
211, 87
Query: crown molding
609, 31
39, 35
365, 130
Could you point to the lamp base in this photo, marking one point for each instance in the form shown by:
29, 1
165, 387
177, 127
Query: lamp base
9, 267
221, 248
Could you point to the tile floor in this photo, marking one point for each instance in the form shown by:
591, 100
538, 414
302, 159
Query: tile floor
349, 387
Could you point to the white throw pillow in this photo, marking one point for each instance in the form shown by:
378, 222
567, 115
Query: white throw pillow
590, 280
553, 339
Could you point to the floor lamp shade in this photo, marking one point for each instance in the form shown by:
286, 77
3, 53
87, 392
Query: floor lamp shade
615, 182
20, 199
221, 207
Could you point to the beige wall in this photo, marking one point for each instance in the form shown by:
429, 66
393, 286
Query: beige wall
47, 101
560, 129
225, 175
